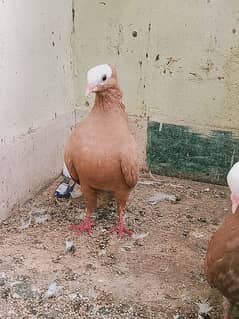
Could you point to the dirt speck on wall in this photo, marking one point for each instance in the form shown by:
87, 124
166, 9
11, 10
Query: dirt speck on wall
231, 78
158, 273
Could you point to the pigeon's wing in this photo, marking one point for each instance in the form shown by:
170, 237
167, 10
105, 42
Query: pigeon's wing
129, 166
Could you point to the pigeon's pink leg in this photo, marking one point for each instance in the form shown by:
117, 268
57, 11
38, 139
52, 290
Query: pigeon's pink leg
84, 226
91, 203
120, 228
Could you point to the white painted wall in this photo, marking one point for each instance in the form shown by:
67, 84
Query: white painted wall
35, 74
36, 94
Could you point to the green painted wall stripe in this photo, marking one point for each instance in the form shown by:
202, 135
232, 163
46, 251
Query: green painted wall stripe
175, 150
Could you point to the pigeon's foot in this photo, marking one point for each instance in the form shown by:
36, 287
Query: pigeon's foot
120, 229
85, 226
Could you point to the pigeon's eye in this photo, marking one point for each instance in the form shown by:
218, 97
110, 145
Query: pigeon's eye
104, 77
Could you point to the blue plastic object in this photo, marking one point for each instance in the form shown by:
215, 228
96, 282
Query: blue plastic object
65, 188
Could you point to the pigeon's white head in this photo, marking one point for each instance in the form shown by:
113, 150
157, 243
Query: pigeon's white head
99, 78
233, 183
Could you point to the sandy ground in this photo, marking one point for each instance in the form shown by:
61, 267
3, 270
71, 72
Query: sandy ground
158, 276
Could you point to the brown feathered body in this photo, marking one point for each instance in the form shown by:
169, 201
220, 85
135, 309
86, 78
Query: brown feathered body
101, 152
222, 263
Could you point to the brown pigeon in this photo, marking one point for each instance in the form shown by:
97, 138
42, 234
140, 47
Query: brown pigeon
101, 153
222, 259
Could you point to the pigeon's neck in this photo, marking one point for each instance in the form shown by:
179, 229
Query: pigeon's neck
109, 99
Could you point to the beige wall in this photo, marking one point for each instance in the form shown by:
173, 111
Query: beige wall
35, 63
189, 51
36, 95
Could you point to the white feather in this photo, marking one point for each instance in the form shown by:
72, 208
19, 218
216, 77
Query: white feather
94, 75
65, 171
204, 309
233, 178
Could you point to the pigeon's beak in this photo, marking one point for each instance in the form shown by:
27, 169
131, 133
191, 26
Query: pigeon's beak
90, 88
